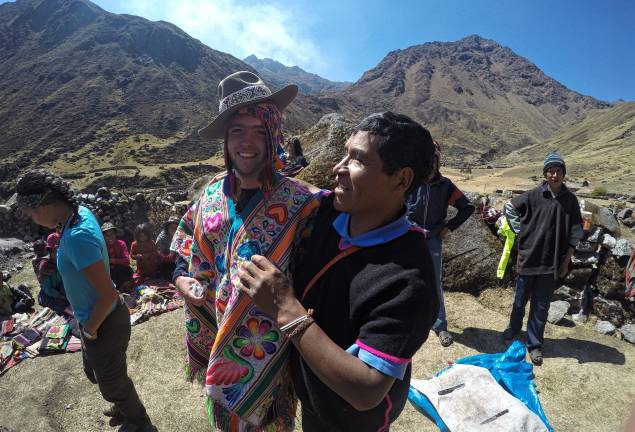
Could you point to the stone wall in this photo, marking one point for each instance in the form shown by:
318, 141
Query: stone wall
124, 211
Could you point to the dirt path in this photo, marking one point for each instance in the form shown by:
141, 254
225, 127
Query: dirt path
587, 382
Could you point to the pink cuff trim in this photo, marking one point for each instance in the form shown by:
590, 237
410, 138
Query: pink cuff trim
381, 354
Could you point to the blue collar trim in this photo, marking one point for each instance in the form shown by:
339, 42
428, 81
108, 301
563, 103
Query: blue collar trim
378, 236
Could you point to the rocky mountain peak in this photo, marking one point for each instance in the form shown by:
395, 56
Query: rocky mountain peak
474, 93
278, 75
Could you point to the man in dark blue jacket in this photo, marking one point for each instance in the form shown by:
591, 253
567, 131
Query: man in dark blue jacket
547, 222
428, 209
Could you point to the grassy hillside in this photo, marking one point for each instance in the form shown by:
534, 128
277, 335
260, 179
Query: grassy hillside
600, 148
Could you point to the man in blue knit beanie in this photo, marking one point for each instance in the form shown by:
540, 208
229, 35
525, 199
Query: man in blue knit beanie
547, 222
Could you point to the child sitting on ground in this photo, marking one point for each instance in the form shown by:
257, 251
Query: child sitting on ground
52, 294
144, 251
39, 249
120, 271
163, 242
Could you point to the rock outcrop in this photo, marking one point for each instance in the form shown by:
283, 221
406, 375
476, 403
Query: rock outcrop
324, 147
124, 211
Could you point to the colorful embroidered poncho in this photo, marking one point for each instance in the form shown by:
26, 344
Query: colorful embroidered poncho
244, 353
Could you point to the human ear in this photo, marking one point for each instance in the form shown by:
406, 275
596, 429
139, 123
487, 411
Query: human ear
404, 177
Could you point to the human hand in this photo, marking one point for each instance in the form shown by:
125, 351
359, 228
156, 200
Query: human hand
185, 284
89, 332
564, 267
444, 232
270, 290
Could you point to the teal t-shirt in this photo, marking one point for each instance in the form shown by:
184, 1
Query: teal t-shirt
81, 245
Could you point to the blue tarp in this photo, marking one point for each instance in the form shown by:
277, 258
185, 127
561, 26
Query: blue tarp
509, 369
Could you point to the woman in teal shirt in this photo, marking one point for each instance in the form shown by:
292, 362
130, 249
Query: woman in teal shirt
82, 261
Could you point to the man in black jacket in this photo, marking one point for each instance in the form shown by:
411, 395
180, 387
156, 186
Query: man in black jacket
362, 303
547, 221
428, 208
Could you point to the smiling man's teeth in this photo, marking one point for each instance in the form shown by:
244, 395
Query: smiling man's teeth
247, 155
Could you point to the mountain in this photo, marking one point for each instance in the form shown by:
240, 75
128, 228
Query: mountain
79, 86
478, 98
83, 90
279, 75
597, 148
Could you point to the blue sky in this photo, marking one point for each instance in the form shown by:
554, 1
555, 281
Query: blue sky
588, 45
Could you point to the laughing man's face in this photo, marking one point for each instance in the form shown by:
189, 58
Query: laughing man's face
246, 144
363, 186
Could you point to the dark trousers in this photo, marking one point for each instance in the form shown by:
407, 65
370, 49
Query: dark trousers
120, 275
105, 365
538, 288
311, 422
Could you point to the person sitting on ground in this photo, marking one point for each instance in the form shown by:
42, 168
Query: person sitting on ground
548, 224
52, 294
361, 303
120, 270
163, 242
82, 260
295, 161
428, 208
144, 251
6, 299
40, 251
164, 239
295, 154
15, 299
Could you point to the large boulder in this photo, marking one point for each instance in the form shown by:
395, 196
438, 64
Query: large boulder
578, 277
610, 282
604, 327
324, 147
557, 310
11, 246
623, 248
566, 293
628, 331
470, 257
609, 310
606, 218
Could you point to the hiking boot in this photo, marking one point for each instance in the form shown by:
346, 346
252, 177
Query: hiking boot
536, 356
445, 338
509, 336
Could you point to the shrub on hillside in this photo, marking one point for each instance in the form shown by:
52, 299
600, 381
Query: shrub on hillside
599, 191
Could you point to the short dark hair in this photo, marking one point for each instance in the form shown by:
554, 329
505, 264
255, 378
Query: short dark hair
294, 144
39, 248
406, 144
143, 228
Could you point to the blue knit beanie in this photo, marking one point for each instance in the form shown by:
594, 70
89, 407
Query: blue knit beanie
554, 160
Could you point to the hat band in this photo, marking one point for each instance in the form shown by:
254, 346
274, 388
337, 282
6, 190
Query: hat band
243, 95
